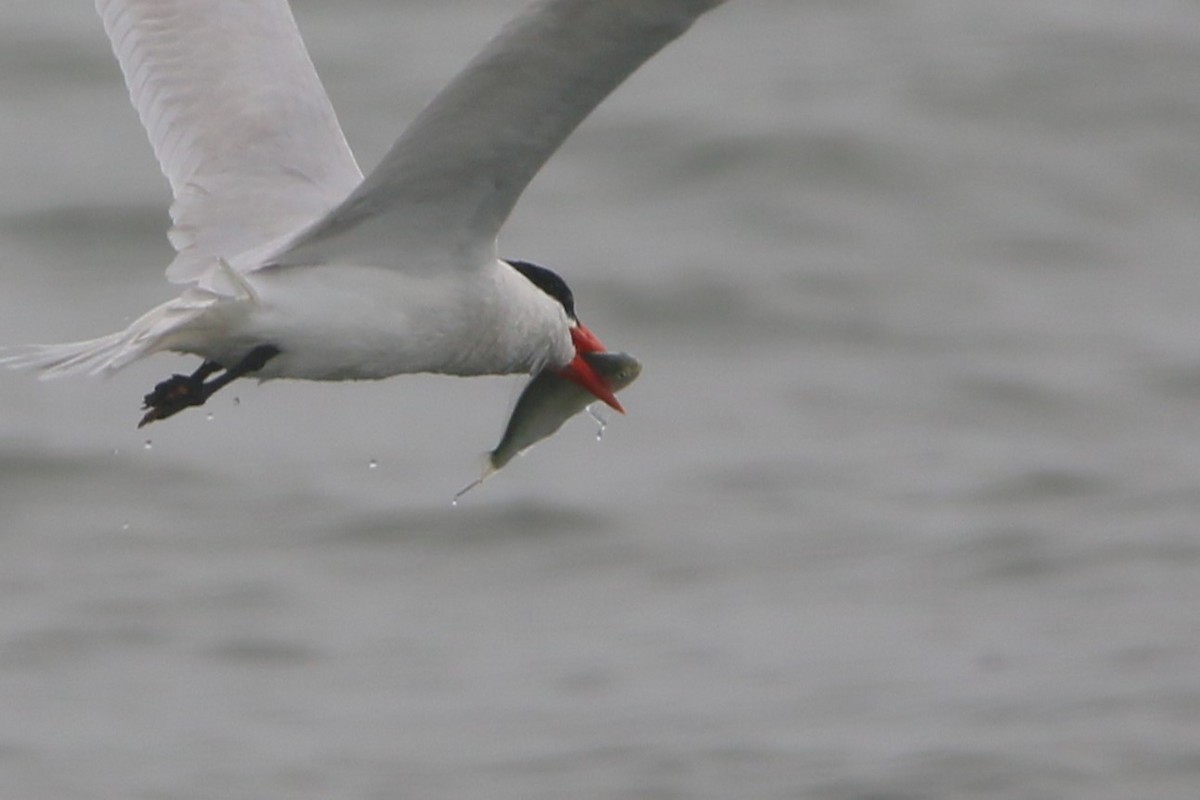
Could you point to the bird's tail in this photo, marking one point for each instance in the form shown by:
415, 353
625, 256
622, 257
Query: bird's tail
156, 330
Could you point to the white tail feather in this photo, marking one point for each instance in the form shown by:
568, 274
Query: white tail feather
152, 332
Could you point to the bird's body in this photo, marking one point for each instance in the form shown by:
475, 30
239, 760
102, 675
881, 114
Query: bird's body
296, 266
371, 322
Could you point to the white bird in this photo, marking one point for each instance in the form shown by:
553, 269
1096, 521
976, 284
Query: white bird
296, 266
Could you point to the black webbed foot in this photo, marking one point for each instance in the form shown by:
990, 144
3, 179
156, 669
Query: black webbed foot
172, 396
183, 391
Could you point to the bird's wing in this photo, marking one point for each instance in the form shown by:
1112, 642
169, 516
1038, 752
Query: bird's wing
449, 182
237, 117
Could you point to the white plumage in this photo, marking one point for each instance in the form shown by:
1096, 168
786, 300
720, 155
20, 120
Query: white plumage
282, 242
237, 117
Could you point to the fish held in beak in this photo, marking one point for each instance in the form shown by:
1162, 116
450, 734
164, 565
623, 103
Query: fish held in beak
550, 399
582, 372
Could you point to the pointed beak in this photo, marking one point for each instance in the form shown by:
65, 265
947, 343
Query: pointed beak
580, 371
584, 340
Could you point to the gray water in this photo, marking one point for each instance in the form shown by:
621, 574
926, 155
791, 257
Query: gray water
905, 506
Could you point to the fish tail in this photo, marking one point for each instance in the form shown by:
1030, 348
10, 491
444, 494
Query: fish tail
489, 469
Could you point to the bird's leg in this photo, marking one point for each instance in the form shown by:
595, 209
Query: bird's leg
181, 391
177, 393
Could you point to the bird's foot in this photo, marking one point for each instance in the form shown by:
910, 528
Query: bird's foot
184, 391
172, 396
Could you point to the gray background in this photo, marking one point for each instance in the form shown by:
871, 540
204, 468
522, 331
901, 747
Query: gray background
905, 505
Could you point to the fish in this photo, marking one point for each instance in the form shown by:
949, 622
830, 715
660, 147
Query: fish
547, 402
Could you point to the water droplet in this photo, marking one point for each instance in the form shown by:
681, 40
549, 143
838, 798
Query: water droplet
600, 421
454, 501
209, 416
372, 464
149, 445
116, 451
125, 527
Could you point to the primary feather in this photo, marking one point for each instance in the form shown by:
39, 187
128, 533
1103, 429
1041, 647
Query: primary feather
450, 181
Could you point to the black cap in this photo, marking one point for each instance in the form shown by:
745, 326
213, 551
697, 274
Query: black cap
550, 283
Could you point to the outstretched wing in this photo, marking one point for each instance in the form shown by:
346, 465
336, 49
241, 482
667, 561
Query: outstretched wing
237, 117
452, 178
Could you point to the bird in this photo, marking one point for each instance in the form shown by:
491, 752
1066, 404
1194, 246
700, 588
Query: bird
295, 265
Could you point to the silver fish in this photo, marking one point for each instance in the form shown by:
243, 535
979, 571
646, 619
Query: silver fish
548, 401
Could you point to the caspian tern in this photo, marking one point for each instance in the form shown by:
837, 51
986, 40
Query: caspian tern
296, 266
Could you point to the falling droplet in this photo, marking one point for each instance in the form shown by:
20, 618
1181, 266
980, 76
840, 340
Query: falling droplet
209, 416
116, 451
125, 527
601, 422
372, 464
149, 445
454, 501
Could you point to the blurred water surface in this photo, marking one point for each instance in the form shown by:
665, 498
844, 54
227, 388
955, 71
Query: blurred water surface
906, 502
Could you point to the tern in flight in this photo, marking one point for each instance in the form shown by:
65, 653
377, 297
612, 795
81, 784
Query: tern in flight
295, 265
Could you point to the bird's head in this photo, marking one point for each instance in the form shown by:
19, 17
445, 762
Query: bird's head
578, 371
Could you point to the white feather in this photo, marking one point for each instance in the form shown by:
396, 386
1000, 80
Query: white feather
152, 332
237, 117
450, 181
